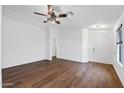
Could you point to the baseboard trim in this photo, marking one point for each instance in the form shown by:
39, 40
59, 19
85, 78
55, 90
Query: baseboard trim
101, 62
71, 60
25, 64
118, 75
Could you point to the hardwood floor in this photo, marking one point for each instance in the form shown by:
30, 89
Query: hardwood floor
60, 73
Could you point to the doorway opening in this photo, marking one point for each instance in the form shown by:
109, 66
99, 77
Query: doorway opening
54, 48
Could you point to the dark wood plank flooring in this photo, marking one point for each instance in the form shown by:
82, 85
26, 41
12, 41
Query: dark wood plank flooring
60, 73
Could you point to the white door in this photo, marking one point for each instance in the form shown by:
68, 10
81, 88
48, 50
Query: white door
98, 42
54, 47
0, 44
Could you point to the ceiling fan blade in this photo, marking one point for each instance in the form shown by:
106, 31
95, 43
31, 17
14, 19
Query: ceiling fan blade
45, 21
62, 15
57, 22
70, 12
39, 14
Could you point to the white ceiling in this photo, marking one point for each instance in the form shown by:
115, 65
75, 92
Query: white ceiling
84, 15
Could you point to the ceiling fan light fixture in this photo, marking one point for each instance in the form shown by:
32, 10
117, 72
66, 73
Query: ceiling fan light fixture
57, 19
45, 19
48, 16
57, 14
52, 22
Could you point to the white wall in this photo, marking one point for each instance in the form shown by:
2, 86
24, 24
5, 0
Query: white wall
111, 51
85, 45
47, 44
71, 44
21, 42
119, 69
0, 44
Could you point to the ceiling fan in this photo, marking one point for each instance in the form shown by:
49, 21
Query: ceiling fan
52, 15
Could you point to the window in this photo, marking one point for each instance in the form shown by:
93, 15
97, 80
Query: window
119, 44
